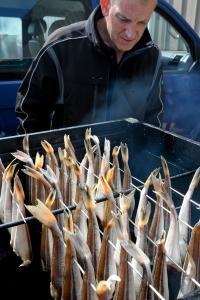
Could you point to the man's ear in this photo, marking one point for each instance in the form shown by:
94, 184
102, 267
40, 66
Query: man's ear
104, 7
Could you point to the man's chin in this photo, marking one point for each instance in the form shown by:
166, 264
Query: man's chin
125, 49
126, 46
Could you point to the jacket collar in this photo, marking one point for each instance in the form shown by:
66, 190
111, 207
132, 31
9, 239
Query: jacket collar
95, 38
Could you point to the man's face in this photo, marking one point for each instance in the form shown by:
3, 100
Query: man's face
126, 21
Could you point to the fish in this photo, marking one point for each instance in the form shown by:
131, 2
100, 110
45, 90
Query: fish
122, 219
88, 290
106, 261
4, 192
167, 187
157, 224
72, 282
54, 182
159, 273
80, 214
24, 157
100, 207
90, 181
93, 234
71, 183
172, 247
107, 150
45, 216
143, 197
20, 235
135, 252
69, 147
50, 158
105, 166
192, 261
127, 178
141, 242
63, 175
97, 157
110, 203
187, 285
2, 169
84, 167
125, 288
117, 175
35, 188
32, 172
46, 244
6, 196
185, 214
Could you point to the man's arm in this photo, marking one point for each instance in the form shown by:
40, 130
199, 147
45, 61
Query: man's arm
37, 95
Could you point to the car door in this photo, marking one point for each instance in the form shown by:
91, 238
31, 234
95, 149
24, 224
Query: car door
180, 47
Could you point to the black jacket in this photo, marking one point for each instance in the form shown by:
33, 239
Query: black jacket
75, 80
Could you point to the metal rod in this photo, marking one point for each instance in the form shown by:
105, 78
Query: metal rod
59, 211
183, 174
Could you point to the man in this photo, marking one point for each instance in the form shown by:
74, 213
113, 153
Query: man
104, 68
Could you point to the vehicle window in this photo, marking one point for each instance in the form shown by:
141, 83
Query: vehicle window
50, 20
10, 38
165, 35
72, 11
22, 37
175, 51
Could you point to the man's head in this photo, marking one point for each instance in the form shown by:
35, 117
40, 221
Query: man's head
126, 21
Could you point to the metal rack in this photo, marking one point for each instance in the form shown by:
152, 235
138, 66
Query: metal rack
138, 137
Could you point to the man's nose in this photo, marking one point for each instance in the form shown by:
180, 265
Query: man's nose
131, 32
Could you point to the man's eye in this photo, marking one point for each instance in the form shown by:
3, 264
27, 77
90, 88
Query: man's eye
143, 23
122, 19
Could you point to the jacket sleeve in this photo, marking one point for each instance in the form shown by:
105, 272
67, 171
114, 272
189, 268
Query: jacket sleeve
37, 95
154, 111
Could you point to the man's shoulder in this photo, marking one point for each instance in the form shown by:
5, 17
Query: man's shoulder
72, 31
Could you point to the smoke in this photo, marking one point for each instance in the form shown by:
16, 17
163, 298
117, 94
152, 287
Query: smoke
125, 98
182, 104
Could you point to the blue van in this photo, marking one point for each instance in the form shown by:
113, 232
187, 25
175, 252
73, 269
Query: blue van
25, 25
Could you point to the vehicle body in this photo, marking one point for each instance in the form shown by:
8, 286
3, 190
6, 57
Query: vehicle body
25, 25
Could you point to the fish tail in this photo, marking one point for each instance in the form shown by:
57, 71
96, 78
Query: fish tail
124, 151
42, 213
10, 172
39, 161
50, 199
47, 146
144, 216
106, 188
115, 151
